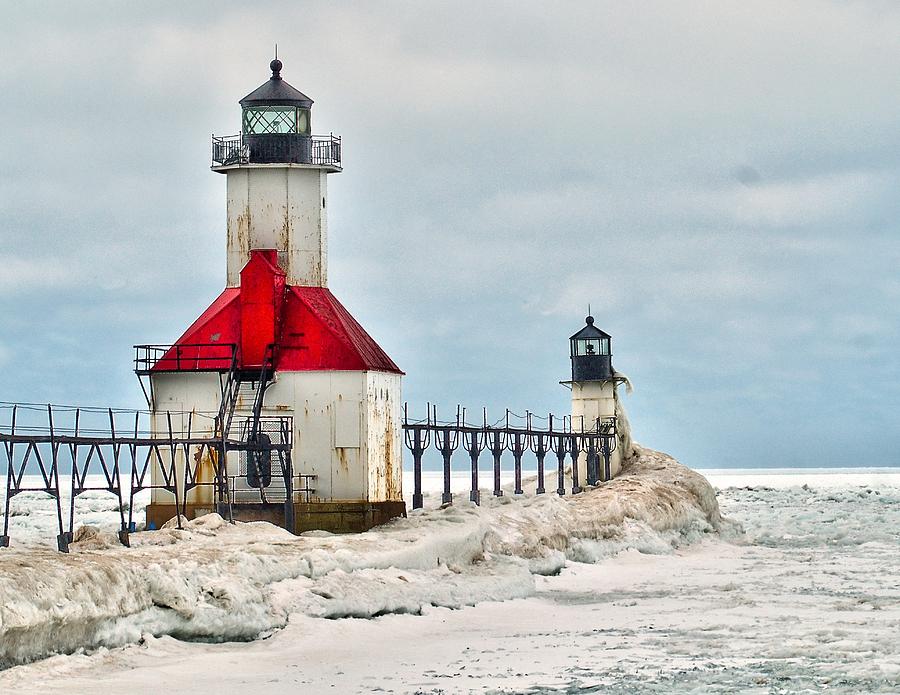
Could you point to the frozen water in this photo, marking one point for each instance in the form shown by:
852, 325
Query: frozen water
33, 518
214, 581
626, 588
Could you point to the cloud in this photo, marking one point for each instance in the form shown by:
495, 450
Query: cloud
799, 202
28, 275
718, 181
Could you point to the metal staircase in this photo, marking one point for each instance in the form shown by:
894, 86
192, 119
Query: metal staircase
236, 386
266, 373
230, 391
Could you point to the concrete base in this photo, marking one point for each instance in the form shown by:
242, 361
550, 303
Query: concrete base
345, 517
335, 517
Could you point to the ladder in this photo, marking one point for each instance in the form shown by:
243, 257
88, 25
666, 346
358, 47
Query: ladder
233, 387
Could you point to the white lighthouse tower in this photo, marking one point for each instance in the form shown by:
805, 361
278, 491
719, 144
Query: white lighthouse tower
277, 343
595, 395
277, 183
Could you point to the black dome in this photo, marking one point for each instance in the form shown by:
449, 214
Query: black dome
276, 92
590, 331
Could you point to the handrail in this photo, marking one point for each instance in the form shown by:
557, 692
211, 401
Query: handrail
229, 398
593, 443
320, 150
185, 357
126, 460
265, 375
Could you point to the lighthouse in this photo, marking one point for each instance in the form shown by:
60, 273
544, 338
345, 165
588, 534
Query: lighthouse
277, 345
595, 397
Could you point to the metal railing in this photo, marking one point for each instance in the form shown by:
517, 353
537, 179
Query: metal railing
302, 489
321, 150
134, 451
191, 357
566, 441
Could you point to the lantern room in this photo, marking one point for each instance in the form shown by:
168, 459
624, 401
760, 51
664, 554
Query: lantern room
275, 122
591, 353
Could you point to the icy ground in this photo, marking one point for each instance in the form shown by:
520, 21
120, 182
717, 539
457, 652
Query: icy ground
648, 598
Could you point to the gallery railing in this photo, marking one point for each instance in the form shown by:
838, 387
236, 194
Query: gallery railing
289, 148
558, 437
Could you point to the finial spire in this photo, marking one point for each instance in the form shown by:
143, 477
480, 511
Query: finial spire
276, 66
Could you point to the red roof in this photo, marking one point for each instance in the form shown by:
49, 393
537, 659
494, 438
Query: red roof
310, 327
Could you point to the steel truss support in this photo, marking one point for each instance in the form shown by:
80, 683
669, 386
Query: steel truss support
568, 445
123, 465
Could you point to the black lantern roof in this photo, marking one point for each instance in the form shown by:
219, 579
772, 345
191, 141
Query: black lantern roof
590, 331
276, 92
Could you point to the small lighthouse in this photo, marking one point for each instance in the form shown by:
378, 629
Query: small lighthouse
277, 343
594, 387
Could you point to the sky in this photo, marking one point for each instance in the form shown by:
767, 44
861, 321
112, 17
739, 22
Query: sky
718, 180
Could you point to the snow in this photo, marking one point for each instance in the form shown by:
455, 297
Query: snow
217, 581
796, 477
639, 585
33, 516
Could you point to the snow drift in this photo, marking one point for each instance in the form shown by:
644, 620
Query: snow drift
215, 581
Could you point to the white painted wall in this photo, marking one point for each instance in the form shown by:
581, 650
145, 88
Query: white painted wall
176, 395
384, 444
317, 400
346, 428
283, 207
346, 431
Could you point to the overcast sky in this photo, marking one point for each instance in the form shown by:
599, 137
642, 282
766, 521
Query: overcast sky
718, 180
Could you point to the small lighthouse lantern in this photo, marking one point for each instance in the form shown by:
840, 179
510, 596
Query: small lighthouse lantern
591, 353
276, 122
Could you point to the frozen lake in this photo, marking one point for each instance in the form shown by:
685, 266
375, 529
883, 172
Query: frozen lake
807, 599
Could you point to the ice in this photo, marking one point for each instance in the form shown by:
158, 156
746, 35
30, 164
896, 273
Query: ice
215, 581
818, 478
33, 515
650, 589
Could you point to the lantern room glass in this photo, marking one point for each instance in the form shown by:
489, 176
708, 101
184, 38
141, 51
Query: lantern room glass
303, 121
590, 346
268, 120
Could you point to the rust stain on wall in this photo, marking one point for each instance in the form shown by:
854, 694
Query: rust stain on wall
204, 461
342, 460
244, 221
284, 243
393, 483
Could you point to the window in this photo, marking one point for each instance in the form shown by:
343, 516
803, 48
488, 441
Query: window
303, 121
592, 346
270, 119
